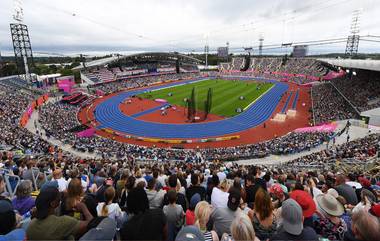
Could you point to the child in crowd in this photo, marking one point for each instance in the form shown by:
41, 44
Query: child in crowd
174, 214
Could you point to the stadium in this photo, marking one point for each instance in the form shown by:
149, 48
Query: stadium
267, 142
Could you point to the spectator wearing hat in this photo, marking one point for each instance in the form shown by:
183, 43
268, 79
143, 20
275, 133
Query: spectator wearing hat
327, 221
345, 190
8, 221
375, 210
195, 188
263, 217
292, 227
278, 195
104, 231
190, 233
47, 226
222, 217
190, 216
23, 201
307, 204
145, 223
202, 216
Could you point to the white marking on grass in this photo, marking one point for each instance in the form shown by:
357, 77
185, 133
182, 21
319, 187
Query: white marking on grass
259, 97
167, 87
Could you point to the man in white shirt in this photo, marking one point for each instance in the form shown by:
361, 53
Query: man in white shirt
221, 174
219, 198
62, 183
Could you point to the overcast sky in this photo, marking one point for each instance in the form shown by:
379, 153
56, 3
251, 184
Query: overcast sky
82, 25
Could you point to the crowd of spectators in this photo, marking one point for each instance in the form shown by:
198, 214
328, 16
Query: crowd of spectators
272, 67
362, 89
329, 105
57, 119
359, 150
127, 200
13, 104
137, 82
180, 194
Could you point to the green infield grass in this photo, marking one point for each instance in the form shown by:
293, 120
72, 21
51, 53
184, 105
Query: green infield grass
225, 95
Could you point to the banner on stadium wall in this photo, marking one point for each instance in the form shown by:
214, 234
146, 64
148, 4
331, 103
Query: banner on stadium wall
322, 128
332, 75
99, 93
33, 105
109, 131
66, 83
30, 110
92, 131
86, 133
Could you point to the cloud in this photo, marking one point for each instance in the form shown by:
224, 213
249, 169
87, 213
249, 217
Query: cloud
182, 25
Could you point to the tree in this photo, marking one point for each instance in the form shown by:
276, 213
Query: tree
8, 69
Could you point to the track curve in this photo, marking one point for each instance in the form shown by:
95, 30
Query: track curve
110, 116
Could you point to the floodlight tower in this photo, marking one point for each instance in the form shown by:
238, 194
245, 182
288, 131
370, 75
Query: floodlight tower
228, 49
261, 40
353, 39
21, 42
207, 49
206, 53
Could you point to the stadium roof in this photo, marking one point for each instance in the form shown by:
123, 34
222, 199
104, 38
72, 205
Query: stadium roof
367, 64
373, 112
105, 61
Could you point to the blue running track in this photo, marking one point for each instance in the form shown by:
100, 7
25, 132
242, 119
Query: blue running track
148, 111
110, 116
286, 103
294, 105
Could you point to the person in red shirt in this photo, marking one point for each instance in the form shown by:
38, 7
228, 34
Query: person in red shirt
190, 215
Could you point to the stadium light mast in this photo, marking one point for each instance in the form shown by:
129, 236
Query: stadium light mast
248, 50
21, 41
207, 49
228, 48
353, 39
261, 41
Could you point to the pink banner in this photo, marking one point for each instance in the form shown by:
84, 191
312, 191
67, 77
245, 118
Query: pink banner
99, 93
29, 111
86, 133
322, 128
65, 85
332, 75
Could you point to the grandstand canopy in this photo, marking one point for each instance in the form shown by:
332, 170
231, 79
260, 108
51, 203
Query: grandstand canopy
367, 64
142, 56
